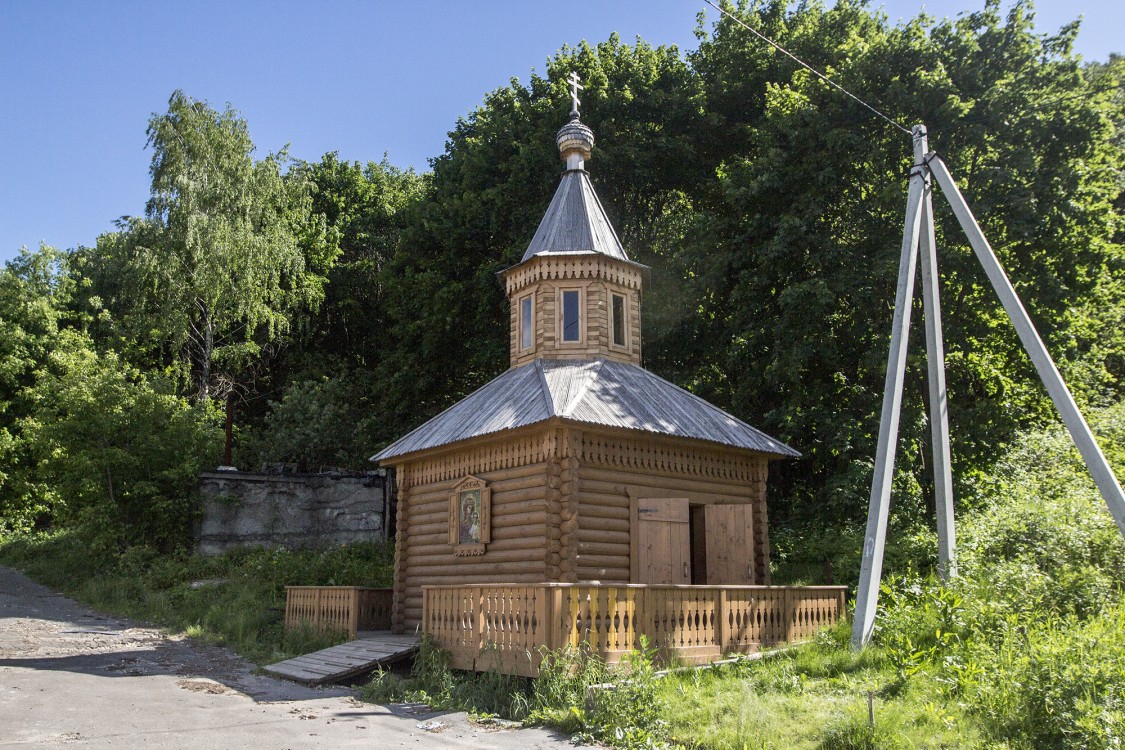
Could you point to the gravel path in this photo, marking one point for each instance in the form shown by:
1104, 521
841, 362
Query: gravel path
72, 676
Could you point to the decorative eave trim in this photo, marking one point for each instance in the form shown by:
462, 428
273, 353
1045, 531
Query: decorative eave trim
564, 266
532, 432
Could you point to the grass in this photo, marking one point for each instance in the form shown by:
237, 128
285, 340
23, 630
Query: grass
236, 600
811, 697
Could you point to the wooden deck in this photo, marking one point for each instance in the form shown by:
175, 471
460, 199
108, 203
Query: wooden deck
372, 649
349, 609
508, 627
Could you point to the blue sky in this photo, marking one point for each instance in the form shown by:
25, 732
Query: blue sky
79, 80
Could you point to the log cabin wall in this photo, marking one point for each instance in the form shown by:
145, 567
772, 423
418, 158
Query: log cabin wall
521, 473
614, 472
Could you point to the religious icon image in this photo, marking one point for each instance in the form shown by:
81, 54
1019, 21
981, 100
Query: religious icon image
469, 517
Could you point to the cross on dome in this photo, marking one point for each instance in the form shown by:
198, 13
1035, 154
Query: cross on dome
575, 87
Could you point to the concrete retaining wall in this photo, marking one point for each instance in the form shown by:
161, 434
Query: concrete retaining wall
291, 511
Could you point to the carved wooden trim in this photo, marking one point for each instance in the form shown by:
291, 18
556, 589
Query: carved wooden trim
481, 458
568, 267
652, 456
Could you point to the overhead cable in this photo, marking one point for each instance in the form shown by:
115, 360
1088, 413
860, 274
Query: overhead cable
805, 65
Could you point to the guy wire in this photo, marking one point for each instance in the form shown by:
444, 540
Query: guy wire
805, 65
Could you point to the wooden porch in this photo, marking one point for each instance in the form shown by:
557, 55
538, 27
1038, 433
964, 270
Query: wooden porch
508, 627
348, 609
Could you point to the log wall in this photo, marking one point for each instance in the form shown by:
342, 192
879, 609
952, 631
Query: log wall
519, 473
561, 508
615, 470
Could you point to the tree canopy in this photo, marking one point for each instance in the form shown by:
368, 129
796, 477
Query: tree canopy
228, 249
769, 208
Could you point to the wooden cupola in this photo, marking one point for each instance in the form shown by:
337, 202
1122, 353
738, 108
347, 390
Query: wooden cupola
575, 294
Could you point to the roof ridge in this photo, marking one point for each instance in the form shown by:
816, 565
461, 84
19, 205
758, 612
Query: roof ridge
601, 209
583, 389
545, 388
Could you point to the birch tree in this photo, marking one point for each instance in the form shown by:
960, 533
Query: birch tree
229, 248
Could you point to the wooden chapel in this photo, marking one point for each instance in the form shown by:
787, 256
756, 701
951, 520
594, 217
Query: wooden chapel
577, 464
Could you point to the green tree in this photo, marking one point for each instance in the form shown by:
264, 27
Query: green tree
36, 296
771, 209
795, 267
228, 250
365, 206
116, 454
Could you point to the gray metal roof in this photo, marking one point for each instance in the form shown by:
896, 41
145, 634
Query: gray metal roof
600, 391
575, 222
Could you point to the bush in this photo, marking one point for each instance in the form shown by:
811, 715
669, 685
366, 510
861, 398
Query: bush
117, 454
1055, 684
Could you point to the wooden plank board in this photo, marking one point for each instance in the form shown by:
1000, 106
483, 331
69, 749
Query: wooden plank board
729, 544
664, 540
346, 660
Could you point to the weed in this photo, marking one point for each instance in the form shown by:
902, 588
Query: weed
235, 599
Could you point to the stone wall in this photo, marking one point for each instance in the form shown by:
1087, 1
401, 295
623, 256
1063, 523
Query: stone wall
289, 510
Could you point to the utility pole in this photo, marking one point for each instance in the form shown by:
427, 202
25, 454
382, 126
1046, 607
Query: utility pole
919, 235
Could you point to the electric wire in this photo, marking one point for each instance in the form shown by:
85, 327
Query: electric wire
805, 65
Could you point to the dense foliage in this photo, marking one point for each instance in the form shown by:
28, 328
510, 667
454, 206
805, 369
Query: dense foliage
341, 304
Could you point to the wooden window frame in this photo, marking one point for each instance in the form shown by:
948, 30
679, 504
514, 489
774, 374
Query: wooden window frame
561, 318
470, 484
624, 346
519, 323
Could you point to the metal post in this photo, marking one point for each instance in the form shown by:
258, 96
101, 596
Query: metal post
867, 597
935, 361
1080, 433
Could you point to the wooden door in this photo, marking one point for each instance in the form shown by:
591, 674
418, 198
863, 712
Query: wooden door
663, 541
729, 535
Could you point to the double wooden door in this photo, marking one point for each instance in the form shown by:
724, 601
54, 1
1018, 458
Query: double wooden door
722, 542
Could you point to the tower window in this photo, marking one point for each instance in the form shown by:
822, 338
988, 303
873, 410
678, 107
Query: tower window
527, 323
571, 315
618, 313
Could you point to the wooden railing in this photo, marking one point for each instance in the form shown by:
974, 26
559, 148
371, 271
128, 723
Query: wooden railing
341, 608
507, 627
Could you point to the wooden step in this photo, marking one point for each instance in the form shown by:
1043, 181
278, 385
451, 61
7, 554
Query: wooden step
373, 649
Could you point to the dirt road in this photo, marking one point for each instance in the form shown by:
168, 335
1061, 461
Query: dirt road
71, 676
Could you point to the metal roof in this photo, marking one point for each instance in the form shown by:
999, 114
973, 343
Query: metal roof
601, 392
575, 222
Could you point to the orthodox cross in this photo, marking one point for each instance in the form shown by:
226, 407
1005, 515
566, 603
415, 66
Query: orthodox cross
575, 86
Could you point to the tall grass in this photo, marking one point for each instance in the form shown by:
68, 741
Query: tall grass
237, 599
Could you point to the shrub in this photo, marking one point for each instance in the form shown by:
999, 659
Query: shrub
1056, 684
118, 453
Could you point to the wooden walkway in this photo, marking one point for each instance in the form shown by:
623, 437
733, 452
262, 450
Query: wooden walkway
372, 649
